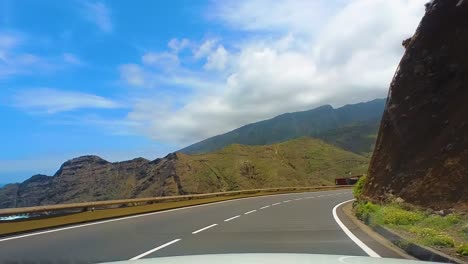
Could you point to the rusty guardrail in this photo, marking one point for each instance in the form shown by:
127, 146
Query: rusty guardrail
143, 201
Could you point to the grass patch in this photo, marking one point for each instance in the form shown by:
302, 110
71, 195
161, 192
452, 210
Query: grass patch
464, 231
394, 215
422, 228
431, 237
441, 222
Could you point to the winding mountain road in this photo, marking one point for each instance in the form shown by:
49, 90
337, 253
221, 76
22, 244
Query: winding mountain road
286, 223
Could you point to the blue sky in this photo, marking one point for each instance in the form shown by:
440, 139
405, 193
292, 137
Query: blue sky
122, 79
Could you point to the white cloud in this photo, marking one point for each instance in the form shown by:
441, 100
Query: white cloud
72, 59
133, 74
217, 60
10, 61
50, 101
285, 64
12, 64
99, 14
16, 60
205, 48
294, 16
8, 41
163, 59
177, 45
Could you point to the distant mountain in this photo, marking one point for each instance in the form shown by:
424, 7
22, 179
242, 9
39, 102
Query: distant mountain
299, 162
351, 127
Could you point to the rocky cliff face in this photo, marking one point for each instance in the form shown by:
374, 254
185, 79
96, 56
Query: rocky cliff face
421, 152
90, 178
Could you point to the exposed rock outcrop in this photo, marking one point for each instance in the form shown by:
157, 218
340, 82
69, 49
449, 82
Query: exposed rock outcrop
421, 152
91, 178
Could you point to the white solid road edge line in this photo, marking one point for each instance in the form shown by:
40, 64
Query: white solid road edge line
155, 249
356, 240
202, 229
229, 219
249, 212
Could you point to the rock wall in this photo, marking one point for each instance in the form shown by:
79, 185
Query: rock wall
421, 151
91, 178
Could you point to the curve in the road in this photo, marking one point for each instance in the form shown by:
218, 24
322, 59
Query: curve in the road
287, 223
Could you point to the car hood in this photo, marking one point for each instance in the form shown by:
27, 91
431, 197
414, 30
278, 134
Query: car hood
274, 258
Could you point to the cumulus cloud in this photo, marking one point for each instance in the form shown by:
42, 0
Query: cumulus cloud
99, 14
286, 63
50, 101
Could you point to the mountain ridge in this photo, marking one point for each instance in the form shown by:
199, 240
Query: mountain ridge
317, 122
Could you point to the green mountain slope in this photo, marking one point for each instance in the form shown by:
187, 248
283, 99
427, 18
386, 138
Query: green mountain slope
298, 162
352, 127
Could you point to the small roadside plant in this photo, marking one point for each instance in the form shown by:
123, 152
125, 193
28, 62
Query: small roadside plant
463, 249
357, 190
364, 211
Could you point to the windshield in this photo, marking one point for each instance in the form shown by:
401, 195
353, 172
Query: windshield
148, 129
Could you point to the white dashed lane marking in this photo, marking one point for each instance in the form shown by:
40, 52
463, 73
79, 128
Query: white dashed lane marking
229, 219
249, 212
155, 249
203, 229
266, 206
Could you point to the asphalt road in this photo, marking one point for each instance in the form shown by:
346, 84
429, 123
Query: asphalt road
289, 223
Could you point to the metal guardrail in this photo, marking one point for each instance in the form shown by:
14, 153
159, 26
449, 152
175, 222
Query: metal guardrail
144, 201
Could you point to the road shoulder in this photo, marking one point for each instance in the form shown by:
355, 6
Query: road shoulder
373, 240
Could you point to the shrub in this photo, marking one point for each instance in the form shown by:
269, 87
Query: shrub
364, 210
431, 237
463, 249
357, 190
392, 215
